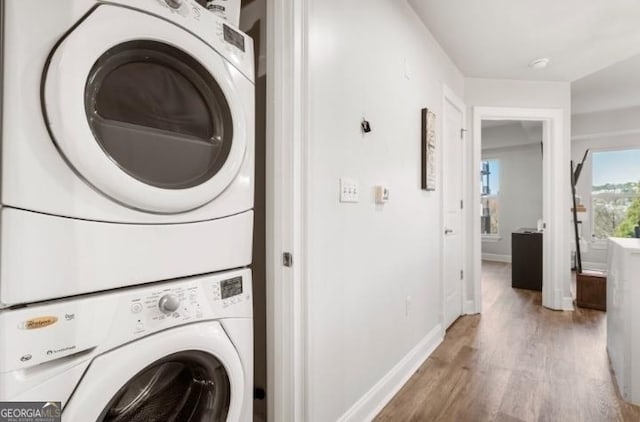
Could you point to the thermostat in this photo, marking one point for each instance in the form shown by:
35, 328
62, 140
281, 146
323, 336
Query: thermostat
382, 194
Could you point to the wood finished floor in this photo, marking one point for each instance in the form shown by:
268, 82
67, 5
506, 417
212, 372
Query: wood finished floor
516, 362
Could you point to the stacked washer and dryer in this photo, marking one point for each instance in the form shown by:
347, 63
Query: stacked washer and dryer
126, 220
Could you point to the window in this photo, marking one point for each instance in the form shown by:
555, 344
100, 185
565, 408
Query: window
490, 189
615, 194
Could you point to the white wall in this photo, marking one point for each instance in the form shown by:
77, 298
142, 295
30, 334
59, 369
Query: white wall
366, 259
608, 123
512, 93
606, 130
520, 197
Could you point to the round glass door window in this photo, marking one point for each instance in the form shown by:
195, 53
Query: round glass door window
158, 114
188, 386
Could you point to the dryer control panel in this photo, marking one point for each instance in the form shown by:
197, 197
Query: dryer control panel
221, 34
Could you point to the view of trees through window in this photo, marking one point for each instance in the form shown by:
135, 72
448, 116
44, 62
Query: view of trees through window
490, 181
615, 195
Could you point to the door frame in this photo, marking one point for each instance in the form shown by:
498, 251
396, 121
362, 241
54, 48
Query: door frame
556, 290
286, 208
448, 95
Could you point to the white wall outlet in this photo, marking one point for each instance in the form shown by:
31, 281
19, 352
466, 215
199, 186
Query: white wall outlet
349, 190
382, 194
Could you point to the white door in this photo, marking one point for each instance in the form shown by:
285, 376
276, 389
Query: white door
453, 121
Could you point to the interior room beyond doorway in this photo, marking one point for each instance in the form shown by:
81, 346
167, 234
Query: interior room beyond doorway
511, 198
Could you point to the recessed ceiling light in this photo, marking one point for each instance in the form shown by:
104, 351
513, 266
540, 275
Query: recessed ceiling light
539, 63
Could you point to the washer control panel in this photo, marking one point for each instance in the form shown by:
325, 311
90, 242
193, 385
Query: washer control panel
157, 307
45, 332
174, 4
230, 291
174, 304
169, 303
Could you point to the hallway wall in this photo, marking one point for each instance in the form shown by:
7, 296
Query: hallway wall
370, 59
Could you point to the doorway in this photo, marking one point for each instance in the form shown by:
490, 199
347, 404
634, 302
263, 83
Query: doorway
556, 272
511, 199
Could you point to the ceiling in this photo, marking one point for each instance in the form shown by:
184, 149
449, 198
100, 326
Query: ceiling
498, 38
510, 133
615, 87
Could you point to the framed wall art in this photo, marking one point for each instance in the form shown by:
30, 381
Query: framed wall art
428, 171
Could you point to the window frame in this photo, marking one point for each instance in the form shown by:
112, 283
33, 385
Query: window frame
491, 237
596, 243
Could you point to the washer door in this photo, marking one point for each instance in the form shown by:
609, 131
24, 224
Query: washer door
186, 386
145, 112
187, 374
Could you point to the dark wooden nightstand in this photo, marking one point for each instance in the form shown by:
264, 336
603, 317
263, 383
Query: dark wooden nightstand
591, 290
526, 259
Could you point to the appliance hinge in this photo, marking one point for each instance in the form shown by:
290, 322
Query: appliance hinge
461, 274
287, 259
461, 204
462, 131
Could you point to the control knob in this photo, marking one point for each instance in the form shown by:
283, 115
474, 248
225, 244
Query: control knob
174, 4
169, 303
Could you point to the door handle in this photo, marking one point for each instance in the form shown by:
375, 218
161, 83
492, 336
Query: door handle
447, 231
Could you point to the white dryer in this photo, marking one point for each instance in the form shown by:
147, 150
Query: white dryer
127, 145
179, 351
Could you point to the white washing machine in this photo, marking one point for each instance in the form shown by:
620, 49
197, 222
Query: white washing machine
127, 145
179, 351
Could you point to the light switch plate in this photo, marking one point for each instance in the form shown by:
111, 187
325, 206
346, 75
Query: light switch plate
349, 190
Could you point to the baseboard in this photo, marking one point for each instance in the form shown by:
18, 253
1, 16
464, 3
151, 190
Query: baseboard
383, 391
600, 266
496, 257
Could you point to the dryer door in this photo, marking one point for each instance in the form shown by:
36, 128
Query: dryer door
145, 112
187, 374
